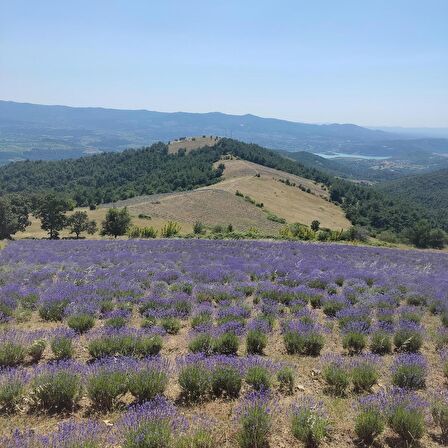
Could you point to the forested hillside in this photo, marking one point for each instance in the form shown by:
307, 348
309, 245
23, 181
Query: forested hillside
112, 176
427, 191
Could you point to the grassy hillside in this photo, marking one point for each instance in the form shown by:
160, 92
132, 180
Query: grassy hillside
219, 205
428, 191
291, 197
111, 177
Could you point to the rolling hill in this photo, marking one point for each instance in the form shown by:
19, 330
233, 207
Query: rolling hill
218, 203
111, 177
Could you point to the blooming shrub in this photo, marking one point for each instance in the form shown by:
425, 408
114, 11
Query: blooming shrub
226, 380
57, 388
149, 380
256, 342
405, 415
62, 346
408, 337
106, 382
12, 389
81, 323
370, 421
409, 371
286, 380
258, 377
194, 381
364, 372
309, 422
255, 420
336, 374
303, 339
380, 343
439, 412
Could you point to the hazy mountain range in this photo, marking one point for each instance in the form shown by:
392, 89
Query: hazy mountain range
52, 132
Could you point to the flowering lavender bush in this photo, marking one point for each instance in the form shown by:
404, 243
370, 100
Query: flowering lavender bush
15, 345
258, 377
150, 379
57, 387
254, 416
405, 415
194, 381
370, 421
226, 380
336, 374
303, 339
409, 371
286, 380
171, 325
444, 359
151, 424
439, 412
309, 422
107, 381
12, 388
364, 372
380, 342
125, 342
256, 342
81, 322
62, 345
202, 343
408, 337
226, 344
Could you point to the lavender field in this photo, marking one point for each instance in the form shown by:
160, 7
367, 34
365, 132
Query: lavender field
190, 343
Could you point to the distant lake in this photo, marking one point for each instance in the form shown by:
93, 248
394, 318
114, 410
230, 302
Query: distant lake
343, 155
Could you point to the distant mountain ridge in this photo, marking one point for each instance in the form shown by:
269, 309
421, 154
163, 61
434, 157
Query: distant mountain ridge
122, 119
35, 132
39, 132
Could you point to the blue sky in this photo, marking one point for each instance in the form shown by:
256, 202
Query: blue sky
370, 62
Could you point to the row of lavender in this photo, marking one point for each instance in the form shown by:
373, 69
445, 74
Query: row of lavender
158, 423
230, 297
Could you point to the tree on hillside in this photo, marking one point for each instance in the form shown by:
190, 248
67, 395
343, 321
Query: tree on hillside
13, 216
419, 234
79, 222
422, 235
315, 225
50, 209
437, 238
117, 222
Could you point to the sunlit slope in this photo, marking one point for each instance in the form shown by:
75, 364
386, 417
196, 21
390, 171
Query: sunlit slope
218, 204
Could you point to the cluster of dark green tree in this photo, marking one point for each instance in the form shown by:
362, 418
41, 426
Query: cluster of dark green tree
423, 235
51, 209
428, 192
110, 177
